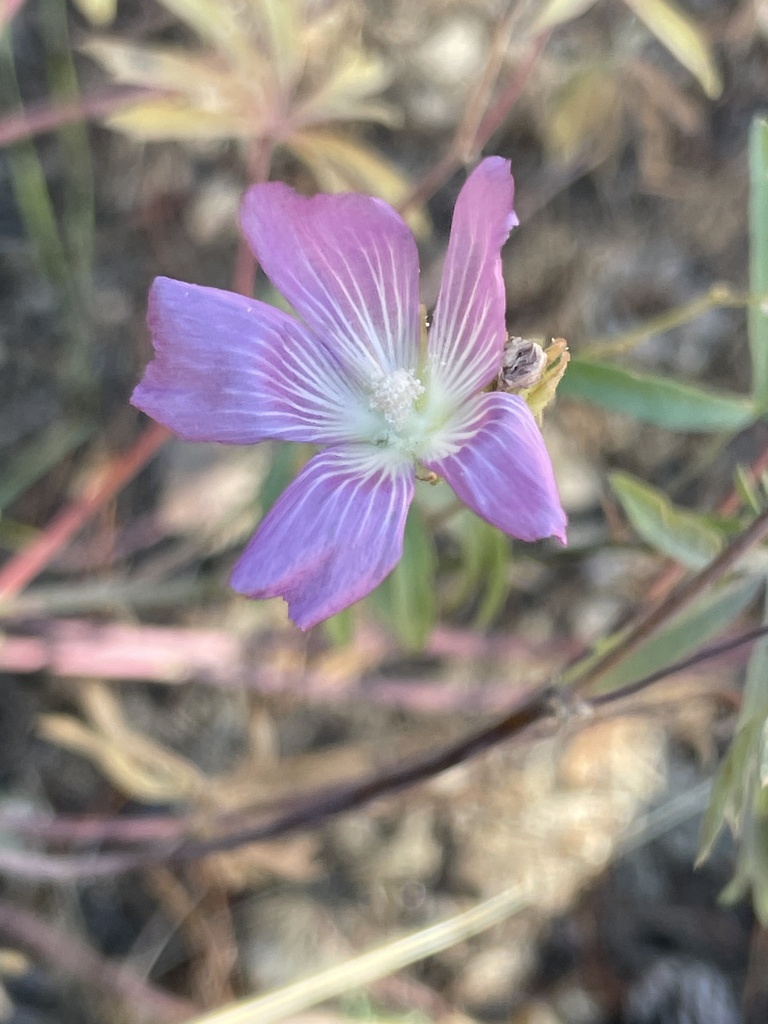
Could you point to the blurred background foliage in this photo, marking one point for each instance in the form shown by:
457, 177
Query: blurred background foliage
639, 142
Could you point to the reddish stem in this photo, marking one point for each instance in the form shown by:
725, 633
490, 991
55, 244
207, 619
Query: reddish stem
23, 567
46, 117
63, 950
476, 128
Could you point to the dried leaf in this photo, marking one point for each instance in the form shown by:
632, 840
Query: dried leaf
543, 394
683, 38
283, 29
144, 772
98, 12
586, 118
219, 22
156, 120
346, 93
558, 12
341, 164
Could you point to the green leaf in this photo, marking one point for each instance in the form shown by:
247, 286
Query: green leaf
658, 400
762, 756
483, 576
286, 461
759, 863
758, 258
37, 457
746, 490
406, 598
340, 628
754, 703
684, 633
682, 535
683, 38
730, 791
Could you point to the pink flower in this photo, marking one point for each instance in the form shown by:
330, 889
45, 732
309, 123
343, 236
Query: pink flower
357, 376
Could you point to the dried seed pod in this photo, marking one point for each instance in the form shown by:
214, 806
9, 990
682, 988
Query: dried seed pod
522, 365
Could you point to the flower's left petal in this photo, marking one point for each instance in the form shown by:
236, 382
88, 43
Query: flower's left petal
502, 471
468, 331
229, 368
349, 267
332, 536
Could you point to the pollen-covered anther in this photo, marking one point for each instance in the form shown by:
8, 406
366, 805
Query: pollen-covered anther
394, 396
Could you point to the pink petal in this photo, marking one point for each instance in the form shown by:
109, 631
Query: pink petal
332, 536
228, 368
349, 267
503, 472
468, 331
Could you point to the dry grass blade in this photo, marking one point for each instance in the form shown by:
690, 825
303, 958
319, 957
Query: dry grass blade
373, 965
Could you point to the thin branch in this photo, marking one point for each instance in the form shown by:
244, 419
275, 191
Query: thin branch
546, 706
481, 116
36, 119
65, 952
675, 601
23, 567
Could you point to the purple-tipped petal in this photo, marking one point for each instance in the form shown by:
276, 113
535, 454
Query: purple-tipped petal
503, 472
468, 331
332, 536
349, 267
229, 368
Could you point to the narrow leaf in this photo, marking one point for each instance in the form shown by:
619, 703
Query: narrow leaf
658, 400
683, 38
745, 488
98, 12
340, 628
729, 792
482, 578
758, 259
218, 22
406, 598
685, 536
36, 458
754, 703
558, 12
343, 164
685, 633
762, 762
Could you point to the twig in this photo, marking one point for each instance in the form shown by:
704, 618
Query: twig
480, 119
674, 602
45, 117
31, 560
259, 162
63, 951
547, 705
22, 568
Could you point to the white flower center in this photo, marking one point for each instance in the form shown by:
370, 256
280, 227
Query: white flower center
394, 396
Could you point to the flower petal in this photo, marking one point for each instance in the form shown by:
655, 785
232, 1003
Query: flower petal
332, 536
228, 368
349, 267
503, 472
468, 331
